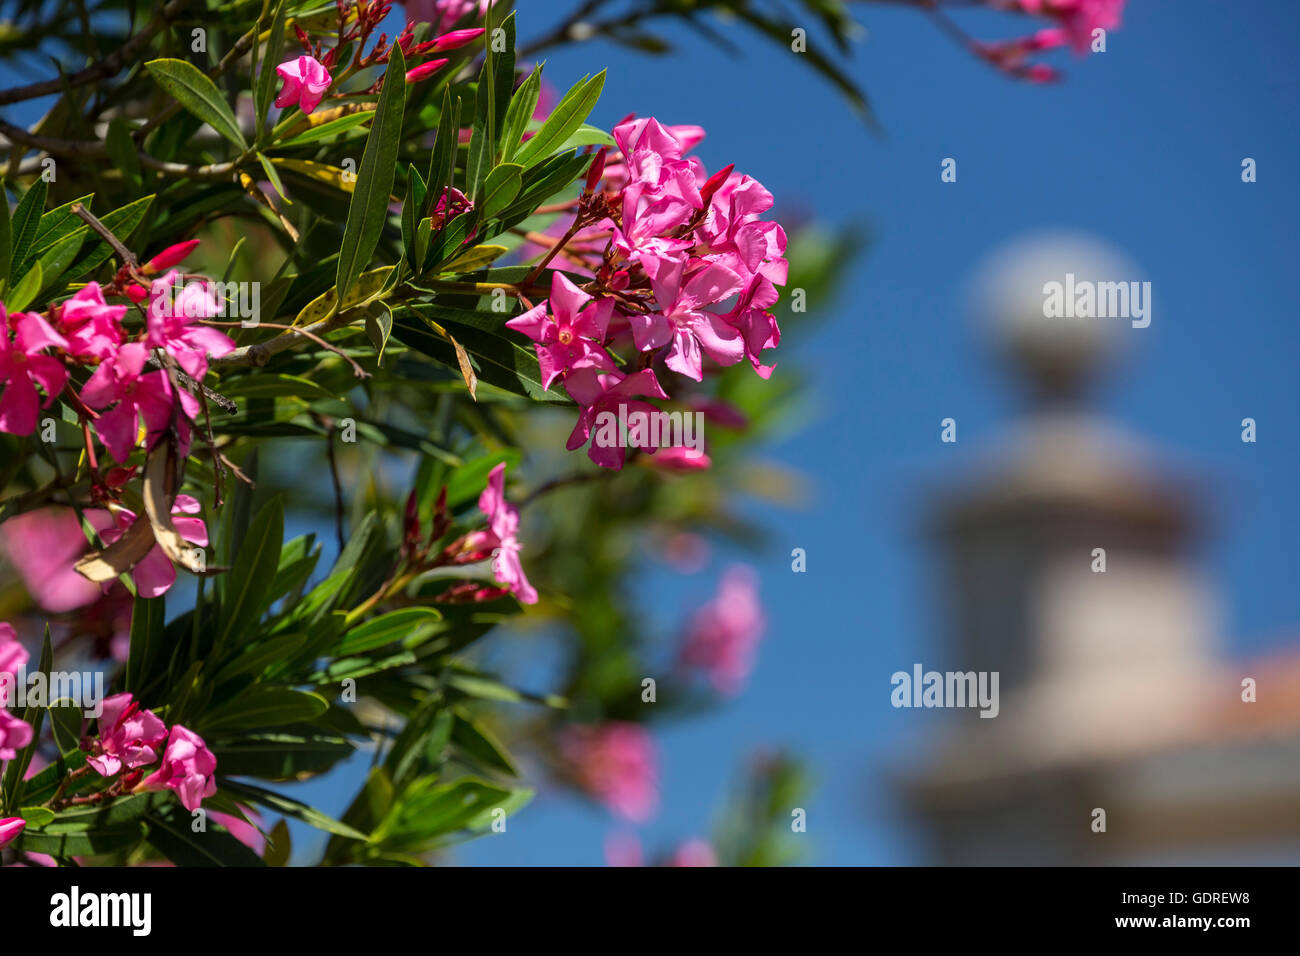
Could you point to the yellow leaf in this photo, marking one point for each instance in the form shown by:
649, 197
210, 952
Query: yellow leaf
321, 172
472, 259
366, 288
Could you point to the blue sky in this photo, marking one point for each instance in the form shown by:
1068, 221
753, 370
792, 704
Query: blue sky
1140, 146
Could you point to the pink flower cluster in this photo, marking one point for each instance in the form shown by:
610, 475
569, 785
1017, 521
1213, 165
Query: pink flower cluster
722, 636
131, 738
617, 764
125, 400
1074, 22
688, 272
501, 538
15, 734
307, 76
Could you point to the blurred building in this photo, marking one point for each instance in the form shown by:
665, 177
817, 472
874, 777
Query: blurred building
1113, 695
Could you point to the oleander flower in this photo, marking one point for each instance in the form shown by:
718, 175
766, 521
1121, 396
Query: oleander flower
617, 764
129, 736
23, 366
187, 768
305, 83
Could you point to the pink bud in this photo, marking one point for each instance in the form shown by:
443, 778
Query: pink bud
424, 71
596, 170
715, 183
451, 41
169, 257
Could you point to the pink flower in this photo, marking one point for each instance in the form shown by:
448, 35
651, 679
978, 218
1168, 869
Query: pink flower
171, 322
154, 574
502, 538
10, 827
451, 41
723, 635
1078, 17
606, 393
171, 256
570, 336
443, 14
305, 82
136, 398
694, 852
15, 734
679, 458
686, 322
616, 763
128, 736
23, 367
91, 326
43, 546
425, 70
623, 849
187, 768
243, 831
13, 657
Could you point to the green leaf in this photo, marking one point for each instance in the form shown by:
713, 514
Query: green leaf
522, 106
500, 189
270, 60
198, 94
26, 220
586, 135
250, 580
55, 262
472, 259
272, 176
326, 130
25, 291
121, 150
442, 159
121, 222
500, 361
569, 114
279, 845
145, 660
379, 326
368, 208
169, 832
475, 740
386, 629
265, 706
6, 236
281, 756
290, 808
36, 816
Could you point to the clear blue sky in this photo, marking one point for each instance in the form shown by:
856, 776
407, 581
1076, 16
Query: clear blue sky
1140, 146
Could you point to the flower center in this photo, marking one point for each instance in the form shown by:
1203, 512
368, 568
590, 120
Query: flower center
566, 337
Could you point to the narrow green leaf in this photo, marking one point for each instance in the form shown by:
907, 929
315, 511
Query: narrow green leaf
264, 706
270, 60
370, 197
26, 220
250, 579
121, 150
522, 106
146, 657
569, 114
500, 189
198, 94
